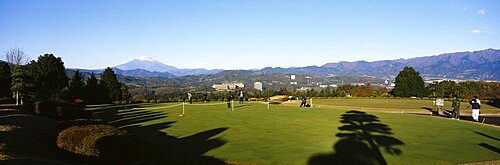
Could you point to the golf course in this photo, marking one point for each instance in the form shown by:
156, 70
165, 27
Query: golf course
346, 131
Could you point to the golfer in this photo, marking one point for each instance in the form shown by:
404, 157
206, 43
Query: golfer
229, 99
456, 108
476, 105
304, 100
190, 98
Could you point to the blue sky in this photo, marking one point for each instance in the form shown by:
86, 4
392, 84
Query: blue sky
245, 34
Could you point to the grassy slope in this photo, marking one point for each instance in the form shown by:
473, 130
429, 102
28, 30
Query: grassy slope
397, 105
291, 135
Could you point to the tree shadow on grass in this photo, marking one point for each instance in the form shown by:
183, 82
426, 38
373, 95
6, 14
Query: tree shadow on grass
27, 139
149, 144
362, 136
487, 146
490, 147
494, 102
488, 136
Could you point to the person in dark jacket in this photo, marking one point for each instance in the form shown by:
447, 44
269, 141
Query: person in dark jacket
229, 99
476, 105
304, 100
456, 108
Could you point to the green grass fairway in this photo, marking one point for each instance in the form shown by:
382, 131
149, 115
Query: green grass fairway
292, 135
407, 105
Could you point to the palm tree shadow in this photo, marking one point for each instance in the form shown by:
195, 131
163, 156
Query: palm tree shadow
150, 145
362, 137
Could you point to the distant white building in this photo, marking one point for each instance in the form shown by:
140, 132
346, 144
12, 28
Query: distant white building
257, 85
228, 86
304, 88
326, 86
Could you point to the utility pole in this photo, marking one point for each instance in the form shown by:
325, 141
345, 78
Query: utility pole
292, 77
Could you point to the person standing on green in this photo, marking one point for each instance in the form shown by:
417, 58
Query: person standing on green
476, 105
190, 98
456, 108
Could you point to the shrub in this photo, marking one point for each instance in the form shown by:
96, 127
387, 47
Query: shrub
152, 101
104, 142
83, 139
60, 110
137, 98
117, 102
78, 122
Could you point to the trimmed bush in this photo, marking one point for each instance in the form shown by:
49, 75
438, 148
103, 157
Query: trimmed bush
60, 110
82, 140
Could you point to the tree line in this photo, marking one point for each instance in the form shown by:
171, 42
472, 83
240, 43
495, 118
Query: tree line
408, 82
45, 79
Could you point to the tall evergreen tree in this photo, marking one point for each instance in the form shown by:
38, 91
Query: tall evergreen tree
76, 85
125, 94
91, 89
49, 75
5, 79
409, 83
22, 83
108, 77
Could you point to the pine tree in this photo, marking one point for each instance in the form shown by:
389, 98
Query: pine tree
5, 79
76, 85
49, 75
91, 89
111, 84
22, 84
409, 83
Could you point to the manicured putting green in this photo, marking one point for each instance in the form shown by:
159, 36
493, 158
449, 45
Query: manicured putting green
292, 135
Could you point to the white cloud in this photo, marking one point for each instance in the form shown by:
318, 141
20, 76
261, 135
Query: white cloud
481, 12
476, 31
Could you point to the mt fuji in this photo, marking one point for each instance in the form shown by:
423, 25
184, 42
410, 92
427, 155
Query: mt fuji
150, 64
147, 63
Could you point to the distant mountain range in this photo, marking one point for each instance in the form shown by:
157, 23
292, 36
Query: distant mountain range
149, 64
131, 73
478, 65
481, 65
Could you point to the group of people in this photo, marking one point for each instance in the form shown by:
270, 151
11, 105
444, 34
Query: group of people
230, 98
475, 103
190, 98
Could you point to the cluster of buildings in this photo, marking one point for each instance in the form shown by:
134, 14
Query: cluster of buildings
235, 86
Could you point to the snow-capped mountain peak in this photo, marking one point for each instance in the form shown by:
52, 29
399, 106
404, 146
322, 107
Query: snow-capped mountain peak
145, 58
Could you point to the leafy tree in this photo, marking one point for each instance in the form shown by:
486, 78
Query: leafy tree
76, 86
49, 75
409, 83
5, 79
444, 89
114, 87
